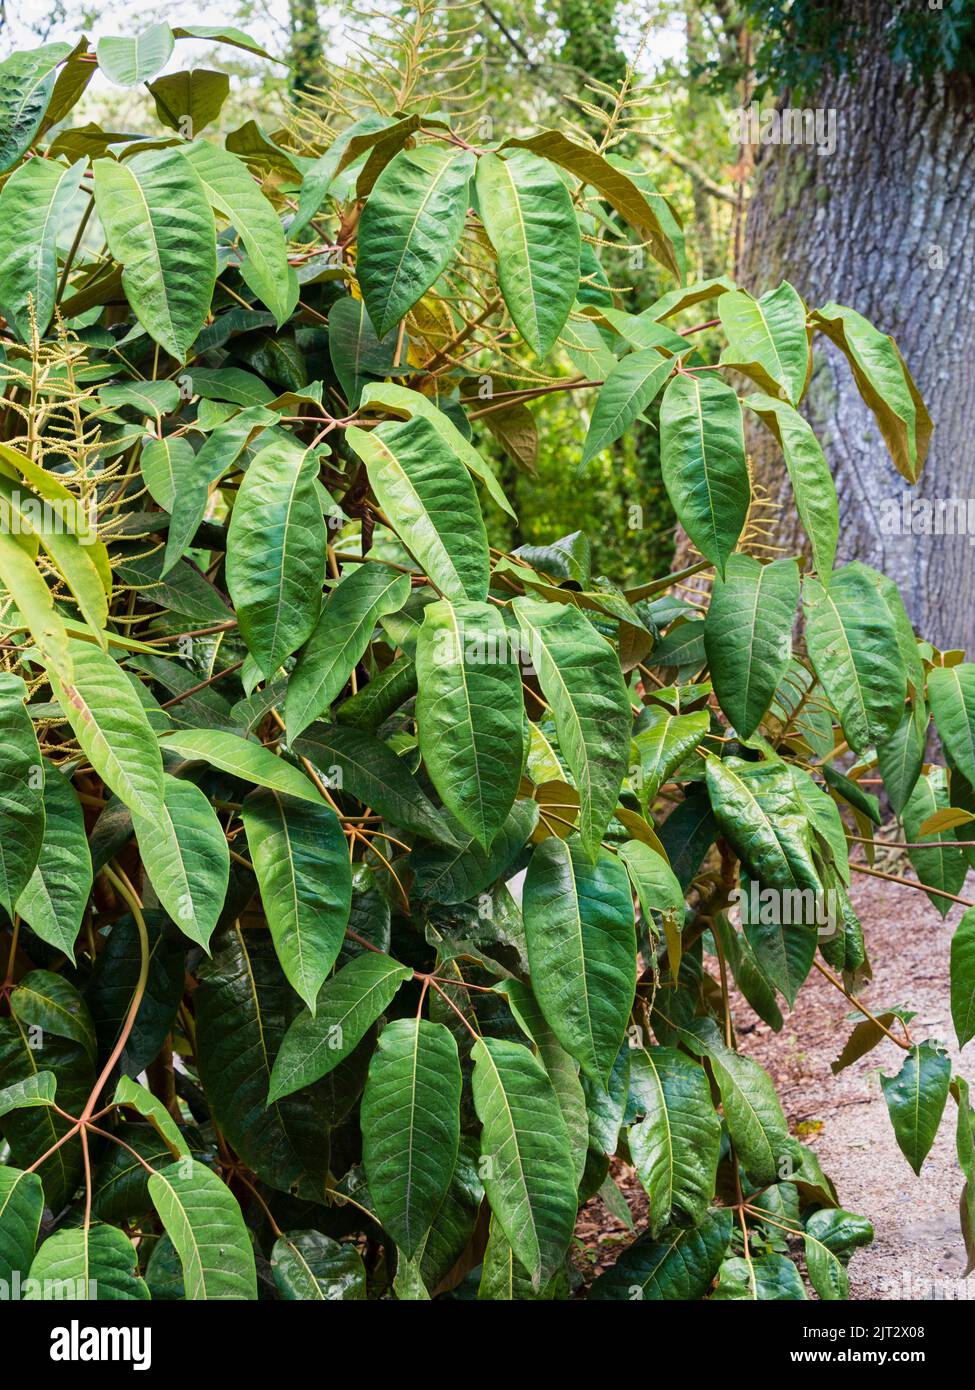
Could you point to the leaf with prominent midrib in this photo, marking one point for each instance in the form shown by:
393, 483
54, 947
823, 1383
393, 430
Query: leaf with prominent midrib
32, 207
675, 1144
448, 875
426, 493
767, 339
26, 86
110, 723
916, 1099
346, 1008
747, 636
97, 1262
940, 867
758, 809
302, 865
663, 741
22, 807
242, 758
204, 1222
184, 851
631, 386
529, 218
356, 354
233, 192
830, 1239
812, 482
702, 458
580, 676
311, 1267
752, 1111
189, 100
526, 1158
963, 978
765, 1278
409, 227
676, 1266
276, 553
581, 949
160, 229
343, 632
951, 691
470, 713
21, 1208
410, 1118
129, 61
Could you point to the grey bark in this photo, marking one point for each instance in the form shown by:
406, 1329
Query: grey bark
886, 225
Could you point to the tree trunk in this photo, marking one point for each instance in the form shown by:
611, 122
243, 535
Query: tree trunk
885, 225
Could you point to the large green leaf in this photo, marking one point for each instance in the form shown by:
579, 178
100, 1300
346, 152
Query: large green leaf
26, 85
427, 494
759, 811
853, 647
765, 1278
812, 482
242, 758
21, 1208
965, 1149
581, 949
129, 61
782, 939
184, 852
233, 192
702, 457
767, 339
902, 756
346, 1008
663, 741
526, 1158
884, 383
409, 228
470, 713
110, 723
942, 867
753, 1113
455, 875
631, 386
675, 1143
160, 229
677, 1266
830, 1239
359, 763
32, 207
204, 1222
344, 630
23, 581
951, 691
94, 1263
963, 978
189, 100
916, 1099
302, 864
22, 806
528, 215
580, 676
357, 355
276, 553
748, 635
311, 1267
411, 1126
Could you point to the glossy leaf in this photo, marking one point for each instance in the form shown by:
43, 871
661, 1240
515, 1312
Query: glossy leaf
767, 339
916, 1099
204, 1222
21, 1208
681, 1264
33, 205
812, 482
94, 1264
675, 1143
747, 636
184, 851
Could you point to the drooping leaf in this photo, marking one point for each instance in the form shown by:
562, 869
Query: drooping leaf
916, 1099
301, 861
582, 949
528, 215
675, 1142
204, 1222
131, 1093
33, 204
95, 1263
312, 1267
411, 1126
356, 354
747, 636
702, 457
759, 811
160, 229
22, 804
663, 741
940, 867
951, 691
27, 80
189, 100
184, 852
470, 713
767, 339
21, 1208
766, 1278
632, 385
753, 1114
830, 1239
963, 978
456, 875
242, 758
678, 1265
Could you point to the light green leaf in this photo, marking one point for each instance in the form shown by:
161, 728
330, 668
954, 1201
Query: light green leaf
54, 899
951, 691
470, 713
24, 583
748, 635
129, 61
346, 1008
663, 741
753, 1113
26, 86
22, 807
702, 458
411, 1126
675, 1143
940, 867
631, 386
302, 865
38, 1089
916, 1099
184, 852
131, 1093
21, 1208
963, 978
276, 553
165, 464
767, 339
203, 1220
242, 758
853, 647
526, 1158
160, 229
427, 494
95, 1263
529, 218
341, 636
32, 208
409, 228
110, 723
580, 676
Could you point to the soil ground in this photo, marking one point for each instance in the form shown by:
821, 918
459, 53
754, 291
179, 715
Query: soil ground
917, 1251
